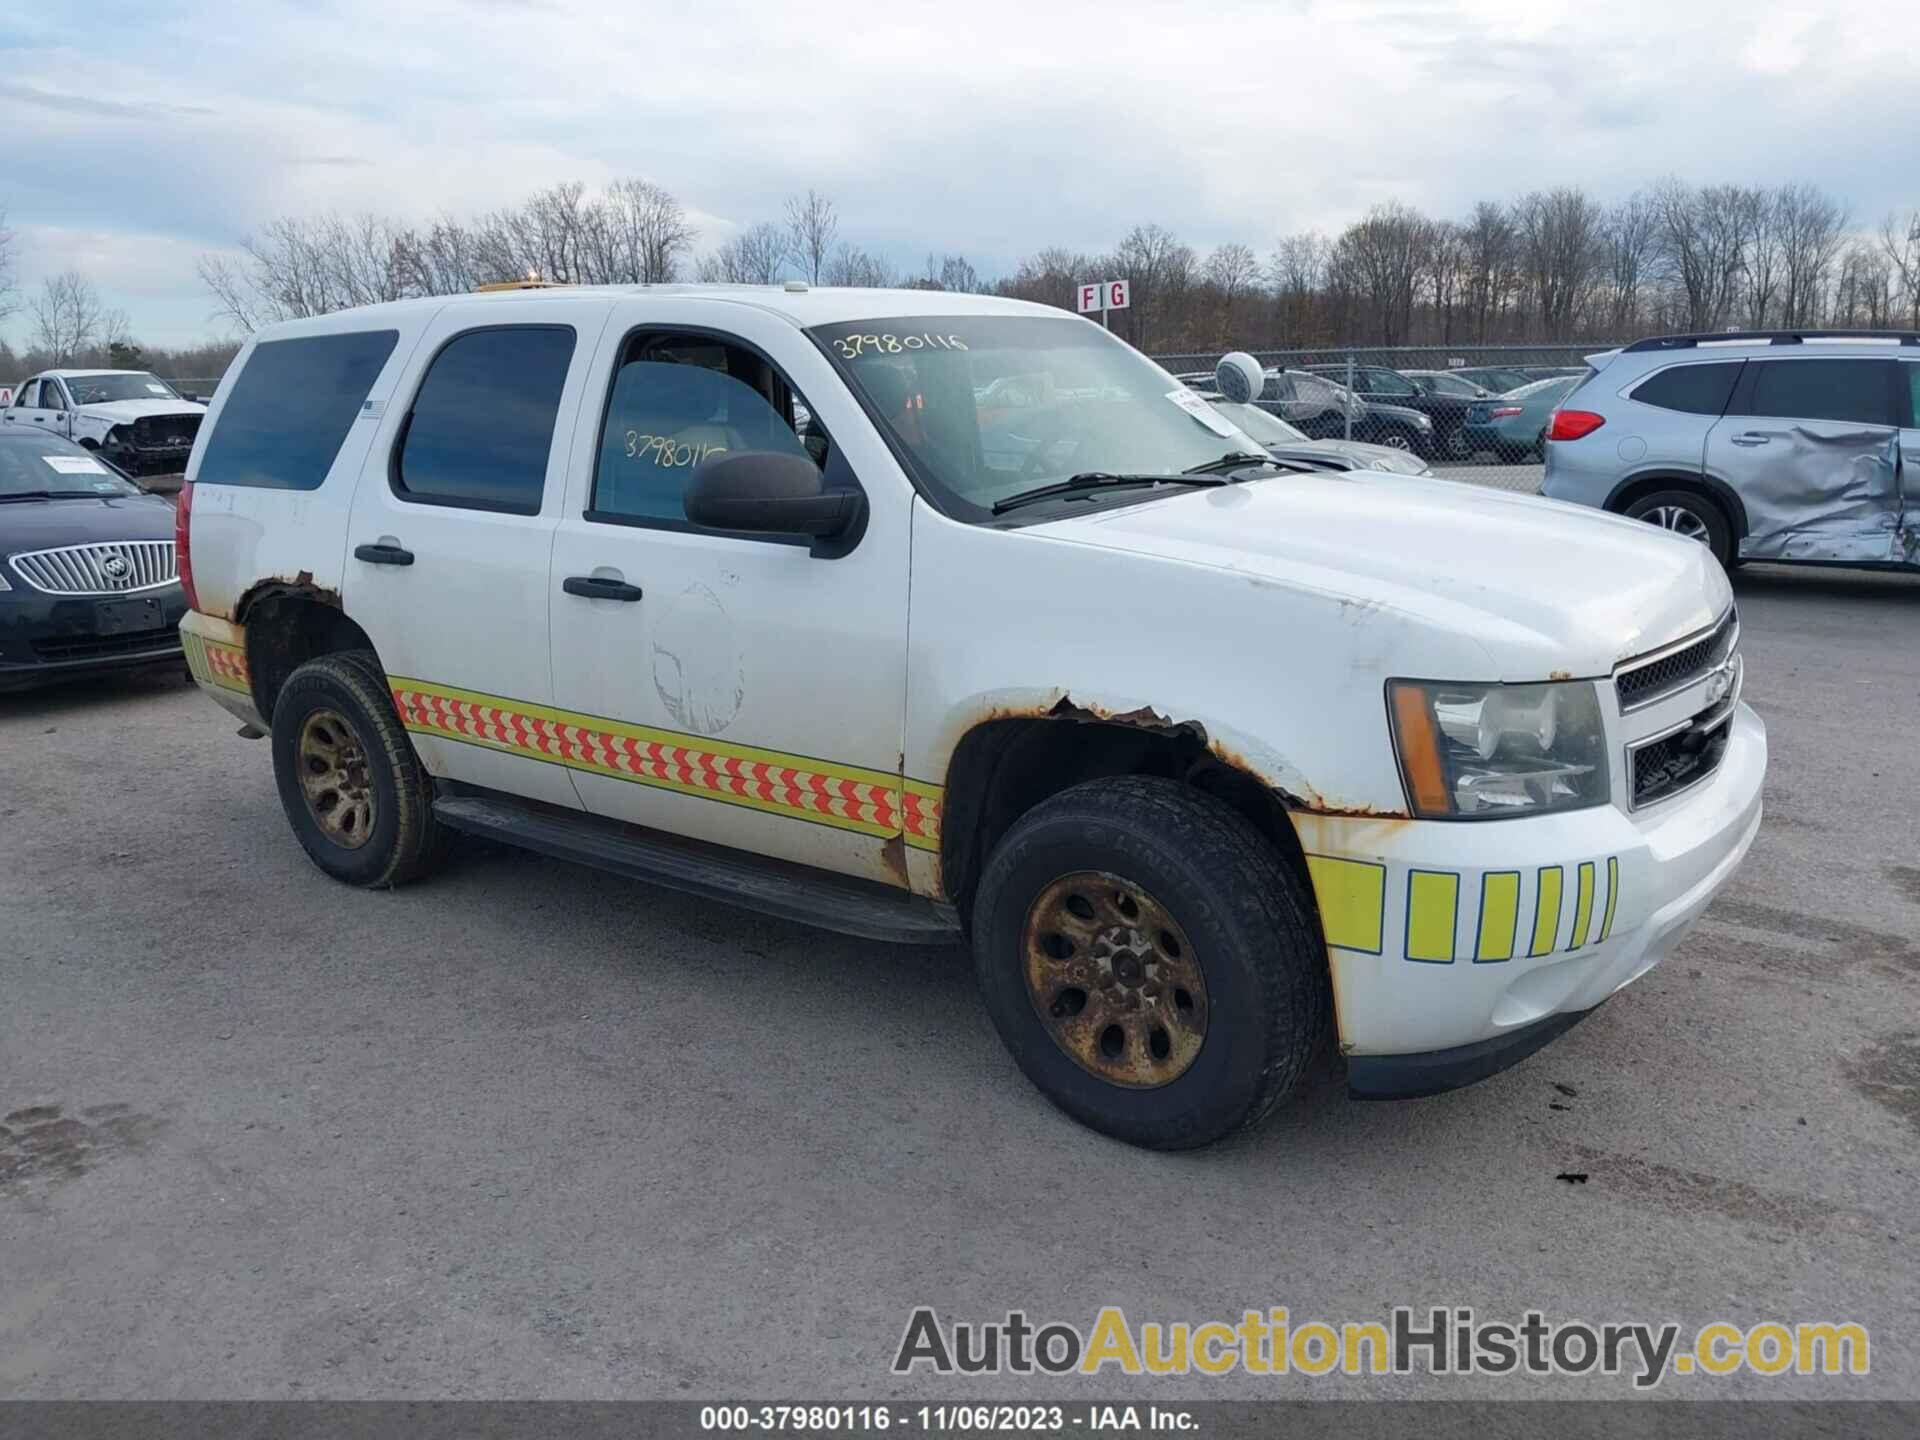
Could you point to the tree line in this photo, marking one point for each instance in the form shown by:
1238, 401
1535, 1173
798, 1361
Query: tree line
1556, 265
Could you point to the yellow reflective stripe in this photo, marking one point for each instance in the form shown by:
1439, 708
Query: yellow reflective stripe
1352, 895
1433, 906
1499, 915
794, 787
921, 803
1546, 911
1613, 894
1583, 906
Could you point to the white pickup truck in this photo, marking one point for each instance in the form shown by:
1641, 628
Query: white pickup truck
133, 418
1205, 759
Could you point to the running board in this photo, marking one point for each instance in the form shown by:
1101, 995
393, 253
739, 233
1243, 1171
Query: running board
771, 887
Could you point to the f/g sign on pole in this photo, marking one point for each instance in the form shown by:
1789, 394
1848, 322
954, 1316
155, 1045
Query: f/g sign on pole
1104, 296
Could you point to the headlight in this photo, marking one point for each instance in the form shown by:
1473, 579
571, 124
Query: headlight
1479, 752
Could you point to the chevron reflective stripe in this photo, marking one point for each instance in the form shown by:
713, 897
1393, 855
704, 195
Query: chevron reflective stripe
796, 786
215, 663
920, 814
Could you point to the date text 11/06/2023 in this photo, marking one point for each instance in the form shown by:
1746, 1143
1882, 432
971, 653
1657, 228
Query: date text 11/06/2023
947, 1419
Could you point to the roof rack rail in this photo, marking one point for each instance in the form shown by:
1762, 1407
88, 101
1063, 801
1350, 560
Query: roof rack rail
1766, 337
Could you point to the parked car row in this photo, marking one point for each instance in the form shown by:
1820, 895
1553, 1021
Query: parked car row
1429, 412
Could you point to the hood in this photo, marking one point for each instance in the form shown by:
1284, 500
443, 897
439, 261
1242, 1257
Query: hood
1357, 453
1545, 589
44, 524
121, 411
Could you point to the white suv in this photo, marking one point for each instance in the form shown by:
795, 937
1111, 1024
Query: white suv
1202, 757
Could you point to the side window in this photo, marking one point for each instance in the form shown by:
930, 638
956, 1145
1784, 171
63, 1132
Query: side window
1386, 382
1847, 391
28, 398
674, 405
1911, 373
1693, 389
481, 429
290, 408
50, 396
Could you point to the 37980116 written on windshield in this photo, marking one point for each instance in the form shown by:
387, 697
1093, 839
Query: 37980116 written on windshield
985, 407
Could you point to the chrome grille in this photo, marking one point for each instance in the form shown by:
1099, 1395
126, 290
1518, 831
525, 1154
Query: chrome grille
1645, 681
113, 567
1680, 758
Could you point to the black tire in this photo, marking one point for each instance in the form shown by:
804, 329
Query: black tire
403, 841
1664, 507
1253, 932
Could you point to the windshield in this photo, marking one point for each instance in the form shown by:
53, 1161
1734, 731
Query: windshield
41, 464
1266, 428
988, 406
104, 389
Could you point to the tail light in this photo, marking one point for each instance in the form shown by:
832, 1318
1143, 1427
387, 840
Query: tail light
1503, 411
182, 556
1572, 424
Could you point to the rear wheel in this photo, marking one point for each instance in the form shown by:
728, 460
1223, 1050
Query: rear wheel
1150, 961
1690, 514
355, 793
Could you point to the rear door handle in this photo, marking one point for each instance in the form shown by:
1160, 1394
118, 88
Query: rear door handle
597, 587
383, 554
1751, 438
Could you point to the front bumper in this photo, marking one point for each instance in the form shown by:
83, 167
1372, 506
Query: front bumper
50, 637
1444, 935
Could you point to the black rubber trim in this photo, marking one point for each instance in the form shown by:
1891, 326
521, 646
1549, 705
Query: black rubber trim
771, 887
1434, 1072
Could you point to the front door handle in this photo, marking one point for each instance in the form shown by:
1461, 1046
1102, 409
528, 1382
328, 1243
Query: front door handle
1751, 438
598, 587
383, 554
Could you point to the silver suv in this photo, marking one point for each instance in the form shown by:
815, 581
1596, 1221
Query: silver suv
1765, 445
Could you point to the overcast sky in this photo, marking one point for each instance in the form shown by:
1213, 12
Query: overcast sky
141, 135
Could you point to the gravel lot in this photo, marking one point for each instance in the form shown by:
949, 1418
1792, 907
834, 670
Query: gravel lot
528, 1131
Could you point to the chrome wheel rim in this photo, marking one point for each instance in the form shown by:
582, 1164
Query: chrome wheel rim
1397, 442
335, 780
1680, 521
1114, 980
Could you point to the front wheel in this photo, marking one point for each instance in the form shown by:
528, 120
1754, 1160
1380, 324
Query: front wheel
1689, 514
355, 793
1153, 965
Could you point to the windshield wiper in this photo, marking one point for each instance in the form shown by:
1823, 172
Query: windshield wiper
1097, 480
48, 495
1232, 460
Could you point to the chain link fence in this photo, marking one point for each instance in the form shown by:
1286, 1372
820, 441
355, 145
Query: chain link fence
1474, 412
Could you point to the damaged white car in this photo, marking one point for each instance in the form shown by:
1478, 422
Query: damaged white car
132, 417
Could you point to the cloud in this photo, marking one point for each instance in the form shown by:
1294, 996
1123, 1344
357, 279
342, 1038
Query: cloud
992, 129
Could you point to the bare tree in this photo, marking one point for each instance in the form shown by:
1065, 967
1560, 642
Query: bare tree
1705, 233
1446, 274
1158, 270
755, 256
1298, 271
1490, 260
1627, 240
1811, 228
650, 231
1900, 242
9, 280
850, 265
67, 317
1559, 237
1382, 257
812, 227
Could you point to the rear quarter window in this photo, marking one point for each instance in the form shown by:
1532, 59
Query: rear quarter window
291, 408
481, 428
1692, 389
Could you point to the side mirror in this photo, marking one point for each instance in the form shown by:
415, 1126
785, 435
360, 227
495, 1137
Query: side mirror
770, 493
